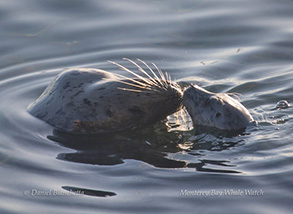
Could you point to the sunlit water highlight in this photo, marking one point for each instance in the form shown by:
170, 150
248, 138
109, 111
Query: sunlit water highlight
224, 46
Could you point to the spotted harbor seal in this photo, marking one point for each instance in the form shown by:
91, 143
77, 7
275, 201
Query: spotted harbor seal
91, 101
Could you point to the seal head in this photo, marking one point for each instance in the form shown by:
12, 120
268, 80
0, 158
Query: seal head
91, 101
215, 110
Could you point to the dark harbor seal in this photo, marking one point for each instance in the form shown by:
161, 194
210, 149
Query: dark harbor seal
91, 101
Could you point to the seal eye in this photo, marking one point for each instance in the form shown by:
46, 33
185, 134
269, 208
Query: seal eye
218, 114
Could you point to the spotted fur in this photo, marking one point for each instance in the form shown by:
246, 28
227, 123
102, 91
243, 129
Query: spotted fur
90, 101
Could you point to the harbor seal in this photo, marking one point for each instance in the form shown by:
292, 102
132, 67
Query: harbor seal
92, 101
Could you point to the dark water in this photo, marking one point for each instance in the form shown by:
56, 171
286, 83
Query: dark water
225, 46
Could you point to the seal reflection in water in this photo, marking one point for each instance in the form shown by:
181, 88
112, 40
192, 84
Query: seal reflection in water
91, 101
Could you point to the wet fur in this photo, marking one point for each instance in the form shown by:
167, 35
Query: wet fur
93, 101
90, 101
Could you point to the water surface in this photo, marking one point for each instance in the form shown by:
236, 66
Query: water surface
242, 46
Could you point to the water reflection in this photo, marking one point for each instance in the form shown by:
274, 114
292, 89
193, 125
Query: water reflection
89, 192
151, 145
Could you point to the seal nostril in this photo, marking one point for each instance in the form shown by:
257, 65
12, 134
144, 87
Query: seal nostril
218, 114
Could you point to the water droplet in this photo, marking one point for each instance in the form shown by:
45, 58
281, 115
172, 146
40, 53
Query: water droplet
282, 104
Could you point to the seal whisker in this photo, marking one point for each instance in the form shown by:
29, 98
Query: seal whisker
143, 71
134, 90
131, 72
160, 83
159, 71
128, 89
168, 77
131, 84
132, 80
135, 83
164, 83
151, 70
